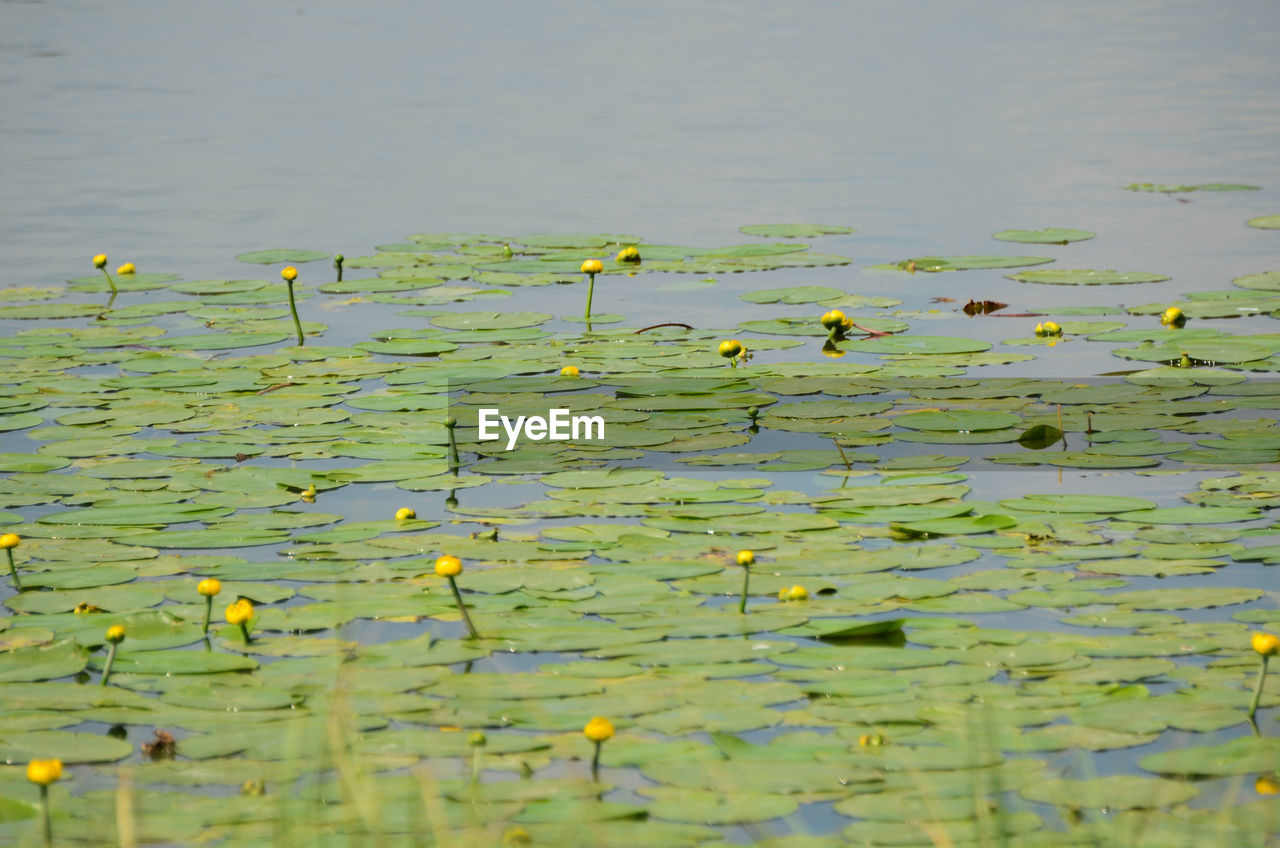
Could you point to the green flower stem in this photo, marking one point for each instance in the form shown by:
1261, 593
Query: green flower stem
208, 611
110, 281
13, 569
591, 287
1257, 690
244, 631
462, 608
595, 762
47, 826
111, 658
451, 424
476, 763
746, 577
293, 307
337, 263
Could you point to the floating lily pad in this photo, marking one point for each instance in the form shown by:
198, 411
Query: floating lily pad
271, 257
794, 230
1086, 277
1047, 236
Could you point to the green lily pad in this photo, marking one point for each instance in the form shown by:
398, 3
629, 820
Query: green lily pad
1086, 277
271, 257
1047, 236
794, 230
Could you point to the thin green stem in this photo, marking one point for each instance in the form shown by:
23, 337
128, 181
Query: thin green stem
595, 762
293, 307
1257, 690
110, 281
44, 816
208, 611
244, 631
746, 577
454, 463
462, 608
476, 762
13, 569
111, 658
591, 287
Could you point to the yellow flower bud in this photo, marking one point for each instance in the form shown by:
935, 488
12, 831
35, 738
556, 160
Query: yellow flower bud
1039, 329
44, 772
592, 266
730, 348
799, 593
1051, 328
834, 318
628, 254
516, 837
598, 729
746, 558
1266, 644
476, 739
209, 586
448, 566
290, 274
100, 261
240, 612
84, 607
126, 268
1173, 317
115, 634
404, 513
1266, 786
9, 540
569, 371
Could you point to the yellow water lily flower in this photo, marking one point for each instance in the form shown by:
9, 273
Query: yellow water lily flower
126, 268
290, 274
592, 266
1173, 317
404, 513
730, 348
209, 587
833, 319
100, 261
240, 612
569, 371
1266, 644
448, 566
10, 540
598, 730
44, 772
628, 254
746, 558
115, 634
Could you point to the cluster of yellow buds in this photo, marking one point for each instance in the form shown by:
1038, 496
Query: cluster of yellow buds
1048, 328
836, 324
795, 593
733, 350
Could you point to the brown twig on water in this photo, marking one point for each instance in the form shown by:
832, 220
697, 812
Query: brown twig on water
667, 324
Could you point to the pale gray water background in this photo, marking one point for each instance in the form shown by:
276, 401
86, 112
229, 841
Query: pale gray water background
180, 134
